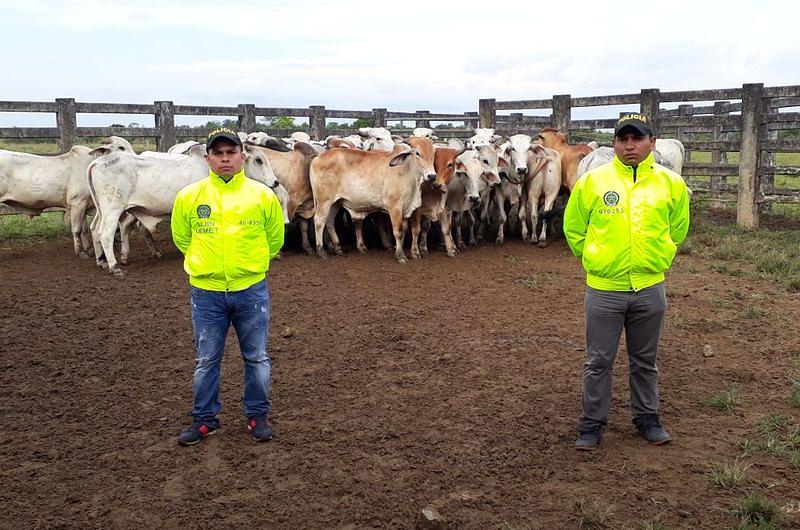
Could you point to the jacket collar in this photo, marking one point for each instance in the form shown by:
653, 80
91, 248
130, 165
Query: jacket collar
233, 183
644, 168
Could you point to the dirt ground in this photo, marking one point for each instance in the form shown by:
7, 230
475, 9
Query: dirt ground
449, 382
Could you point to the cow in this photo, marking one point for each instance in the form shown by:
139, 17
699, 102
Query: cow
182, 148
483, 137
476, 169
434, 195
363, 182
265, 140
496, 198
538, 170
424, 132
123, 182
377, 138
571, 155
291, 168
668, 153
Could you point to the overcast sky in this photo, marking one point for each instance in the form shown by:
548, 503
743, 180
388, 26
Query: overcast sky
405, 55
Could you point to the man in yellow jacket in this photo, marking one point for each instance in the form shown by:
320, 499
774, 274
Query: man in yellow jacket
228, 227
625, 220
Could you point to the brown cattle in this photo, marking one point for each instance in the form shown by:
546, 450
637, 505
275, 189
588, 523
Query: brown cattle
434, 196
291, 168
571, 155
363, 182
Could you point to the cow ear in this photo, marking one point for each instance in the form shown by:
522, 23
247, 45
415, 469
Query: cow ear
400, 158
277, 145
100, 151
502, 164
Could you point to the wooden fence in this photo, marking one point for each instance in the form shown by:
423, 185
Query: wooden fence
744, 120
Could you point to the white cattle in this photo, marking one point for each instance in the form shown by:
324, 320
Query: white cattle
540, 185
424, 132
483, 137
376, 138
123, 182
496, 199
265, 140
182, 148
476, 170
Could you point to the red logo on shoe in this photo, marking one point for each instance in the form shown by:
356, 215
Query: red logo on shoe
204, 430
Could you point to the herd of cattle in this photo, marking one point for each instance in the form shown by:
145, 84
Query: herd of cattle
417, 181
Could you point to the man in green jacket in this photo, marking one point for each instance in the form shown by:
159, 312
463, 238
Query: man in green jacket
228, 227
625, 220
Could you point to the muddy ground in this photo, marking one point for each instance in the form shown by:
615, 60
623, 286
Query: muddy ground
452, 383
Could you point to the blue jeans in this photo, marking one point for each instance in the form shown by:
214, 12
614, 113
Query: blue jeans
212, 314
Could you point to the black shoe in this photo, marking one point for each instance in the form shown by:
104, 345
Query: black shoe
260, 428
197, 432
589, 440
650, 428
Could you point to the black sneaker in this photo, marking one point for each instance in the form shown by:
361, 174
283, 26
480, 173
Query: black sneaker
650, 428
260, 428
197, 432
589, 440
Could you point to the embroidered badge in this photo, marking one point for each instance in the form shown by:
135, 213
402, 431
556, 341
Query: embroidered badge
204, 211
611, 198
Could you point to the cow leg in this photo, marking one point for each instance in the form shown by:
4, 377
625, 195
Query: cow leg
330, 228
457, 217
501, 212
126, 225
523, 217
444, 224
149, 226
415, 231
76, 225
320, 222
383, 233
358, 226
399, 226
423, 237
304, 237
534, 205
94, 227
471, 227
105, 231
486, 197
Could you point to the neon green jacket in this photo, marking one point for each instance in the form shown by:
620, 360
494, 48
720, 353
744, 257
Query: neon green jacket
228, 232
626, 224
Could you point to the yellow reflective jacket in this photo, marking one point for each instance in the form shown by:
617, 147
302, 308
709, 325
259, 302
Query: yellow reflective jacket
626, 223
228, 232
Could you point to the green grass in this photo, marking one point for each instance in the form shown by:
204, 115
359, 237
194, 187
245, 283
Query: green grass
43, 227
729, 475
772, 254
652, 524
725, 400
795, 391
594, 516
757, 513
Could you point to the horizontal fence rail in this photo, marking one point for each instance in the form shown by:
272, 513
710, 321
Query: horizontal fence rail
743, 120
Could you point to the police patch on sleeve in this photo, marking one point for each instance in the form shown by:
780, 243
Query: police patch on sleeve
611, 198
204, 211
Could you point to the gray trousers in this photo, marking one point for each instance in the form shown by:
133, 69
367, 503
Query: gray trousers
607, 312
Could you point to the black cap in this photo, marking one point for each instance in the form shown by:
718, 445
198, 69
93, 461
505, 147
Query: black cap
223, 133
639, 122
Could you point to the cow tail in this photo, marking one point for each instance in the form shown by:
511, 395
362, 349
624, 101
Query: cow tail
92, 191
551, 213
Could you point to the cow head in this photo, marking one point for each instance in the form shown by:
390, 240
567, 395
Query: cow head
516, 153
112, 144
488, 159
257, 167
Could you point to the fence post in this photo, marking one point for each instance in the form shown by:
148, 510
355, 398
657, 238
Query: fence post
67, 121
165, 123
423, 122
685, 110
562, 113
767, 159
318, 122
649, 105
379, 116
470, 124
717, 155
752, 109
247, 118
487, 113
